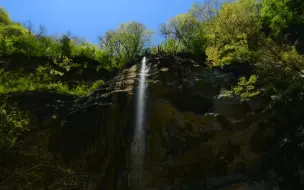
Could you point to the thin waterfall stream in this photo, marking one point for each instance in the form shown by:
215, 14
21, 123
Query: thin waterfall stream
138, 144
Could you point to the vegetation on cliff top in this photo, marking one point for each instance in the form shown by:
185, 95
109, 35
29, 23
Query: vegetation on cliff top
266, 34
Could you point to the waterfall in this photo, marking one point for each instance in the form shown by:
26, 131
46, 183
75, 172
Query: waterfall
138, 144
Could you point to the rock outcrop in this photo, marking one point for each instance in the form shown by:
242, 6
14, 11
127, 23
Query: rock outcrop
196, 133
196, 137
98, 131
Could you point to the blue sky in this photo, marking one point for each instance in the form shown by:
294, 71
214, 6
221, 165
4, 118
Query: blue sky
91, 18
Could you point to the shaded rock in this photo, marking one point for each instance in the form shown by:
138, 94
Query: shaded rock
193, 133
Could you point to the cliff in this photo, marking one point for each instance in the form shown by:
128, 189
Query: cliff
196, 136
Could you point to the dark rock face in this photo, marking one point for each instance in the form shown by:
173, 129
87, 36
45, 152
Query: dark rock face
98, 131
47, 109
196, 137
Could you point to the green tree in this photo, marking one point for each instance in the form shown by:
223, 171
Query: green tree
283, 21
85, 49
170, 46
280, 15
7, 46
204, 12
65, 46
13, 30
126, 42
4, 17
233, 33
187, 31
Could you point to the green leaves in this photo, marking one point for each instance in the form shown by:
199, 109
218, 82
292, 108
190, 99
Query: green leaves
126, 42
171, 46
7, 45
12, 123
276, 14
13, 30
4, 17
184, 33
284, 22
245, 88
228, 33
42, 81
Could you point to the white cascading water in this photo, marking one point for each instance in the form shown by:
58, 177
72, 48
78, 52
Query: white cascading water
138, 144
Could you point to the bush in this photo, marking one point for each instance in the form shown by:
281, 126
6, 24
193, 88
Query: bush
13, 30
4, 17
12, 123
245, 88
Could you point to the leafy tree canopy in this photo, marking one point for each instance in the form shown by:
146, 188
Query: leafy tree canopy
128, 41
4, 17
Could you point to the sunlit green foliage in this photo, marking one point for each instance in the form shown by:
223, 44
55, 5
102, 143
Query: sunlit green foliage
245, 89
86, 49
125, 43
41, 81
13, 30
181, 28
171, 46
280, 15
7, 45
232, 33
283, 21
266, 35
276, 14
185, 32
4, 17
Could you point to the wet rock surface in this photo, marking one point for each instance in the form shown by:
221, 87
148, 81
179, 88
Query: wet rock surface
196, 137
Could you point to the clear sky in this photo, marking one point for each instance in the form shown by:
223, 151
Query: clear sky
91, 18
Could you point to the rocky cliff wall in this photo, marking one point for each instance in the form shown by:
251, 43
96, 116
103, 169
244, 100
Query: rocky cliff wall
196, 137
